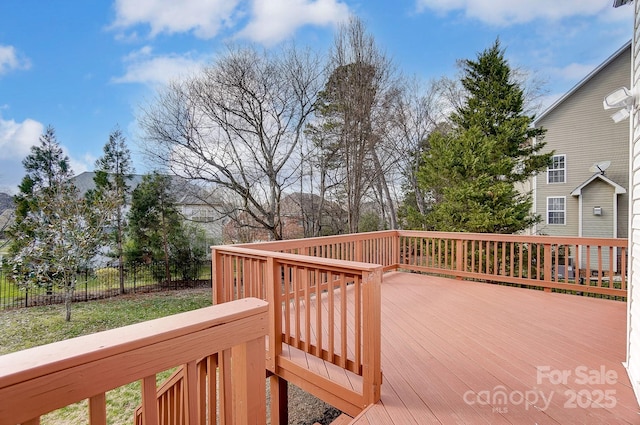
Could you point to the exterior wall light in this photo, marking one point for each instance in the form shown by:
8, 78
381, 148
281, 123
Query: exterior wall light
620, 98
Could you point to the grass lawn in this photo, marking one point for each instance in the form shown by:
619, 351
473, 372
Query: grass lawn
26, 328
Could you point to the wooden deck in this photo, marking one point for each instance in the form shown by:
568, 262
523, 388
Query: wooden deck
472, 353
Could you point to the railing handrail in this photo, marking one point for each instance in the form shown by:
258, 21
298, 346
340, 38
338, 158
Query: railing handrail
273, 275
321, 240
499, 237
337, 265
41, 379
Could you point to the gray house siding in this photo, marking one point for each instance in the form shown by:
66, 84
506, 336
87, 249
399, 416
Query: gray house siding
597, 194
578, 127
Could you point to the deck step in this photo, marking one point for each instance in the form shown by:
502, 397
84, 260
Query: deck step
343, 419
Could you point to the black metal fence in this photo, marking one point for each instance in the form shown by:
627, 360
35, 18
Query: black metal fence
104, 282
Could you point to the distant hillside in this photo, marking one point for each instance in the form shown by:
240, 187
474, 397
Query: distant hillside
6, 202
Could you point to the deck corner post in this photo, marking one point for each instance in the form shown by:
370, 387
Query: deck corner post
371, 369
278, 388
249, 392
216, 277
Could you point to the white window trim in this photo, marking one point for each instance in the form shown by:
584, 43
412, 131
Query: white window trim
564, 210
564, 170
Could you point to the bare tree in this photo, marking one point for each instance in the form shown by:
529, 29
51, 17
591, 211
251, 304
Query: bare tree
236, 126
352, 107
418, 110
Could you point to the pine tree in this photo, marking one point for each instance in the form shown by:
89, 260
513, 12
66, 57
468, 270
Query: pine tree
472, 170
56, 233
155, 225
114, 170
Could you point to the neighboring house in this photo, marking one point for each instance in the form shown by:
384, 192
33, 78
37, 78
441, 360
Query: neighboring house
6, 213
194, 204
573, 197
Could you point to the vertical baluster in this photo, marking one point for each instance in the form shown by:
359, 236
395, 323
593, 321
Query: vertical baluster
98, 410
331, 316
149, 401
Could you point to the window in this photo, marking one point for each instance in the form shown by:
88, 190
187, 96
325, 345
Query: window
557, 172
556, 211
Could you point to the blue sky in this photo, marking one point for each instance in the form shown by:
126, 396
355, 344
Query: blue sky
85, 67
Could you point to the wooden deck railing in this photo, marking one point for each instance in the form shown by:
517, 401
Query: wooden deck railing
344, 272
596, 265
373, 247
346, 333
36, 381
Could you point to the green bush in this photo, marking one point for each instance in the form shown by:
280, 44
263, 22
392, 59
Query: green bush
108, 277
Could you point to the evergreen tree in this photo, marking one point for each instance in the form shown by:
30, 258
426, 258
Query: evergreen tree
113, 172
56, 232
46, 167
471, 171
155, 226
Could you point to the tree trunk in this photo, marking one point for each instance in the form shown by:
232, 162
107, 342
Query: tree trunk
120, 255
68, 299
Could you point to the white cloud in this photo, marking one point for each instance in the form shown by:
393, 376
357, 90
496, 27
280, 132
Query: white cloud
17, 138
204, 17
508, 12
275, 20
10, 60
85, 163
268, 21
143, 67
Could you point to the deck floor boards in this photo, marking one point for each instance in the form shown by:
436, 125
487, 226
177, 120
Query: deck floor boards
447, 344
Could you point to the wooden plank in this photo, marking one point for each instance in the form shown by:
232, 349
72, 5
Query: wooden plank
248, 382
279, 400
149, 405
48, 378
98, 410
489, 352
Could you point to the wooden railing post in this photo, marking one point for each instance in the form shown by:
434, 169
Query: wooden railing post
279, 400
191, 392
216, 277
547, 265
359, 250
274, 298
459, 257
249, 391
98, 409
371, 369
396, 249
149, 404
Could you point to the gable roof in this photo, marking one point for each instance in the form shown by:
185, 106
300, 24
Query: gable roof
185, 192
584, 81
618, 3
618, 189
